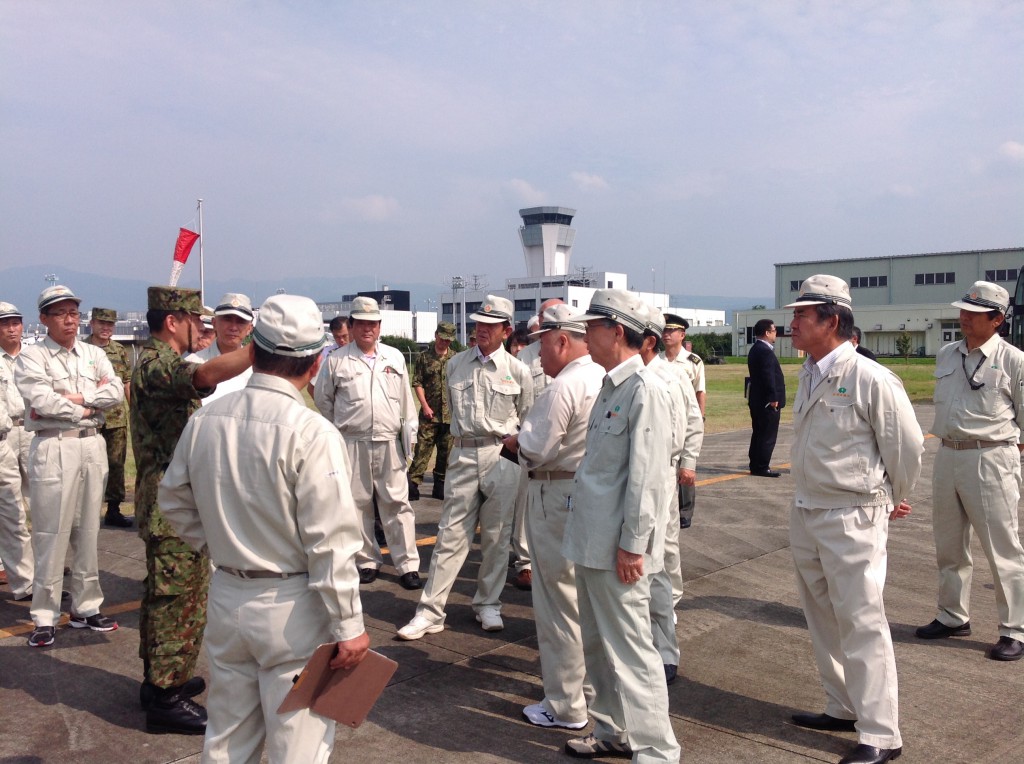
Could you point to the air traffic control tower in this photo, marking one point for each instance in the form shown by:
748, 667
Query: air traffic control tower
547, 238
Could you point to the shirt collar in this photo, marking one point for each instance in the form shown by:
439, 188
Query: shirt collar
987, 348
625, 370
276, 384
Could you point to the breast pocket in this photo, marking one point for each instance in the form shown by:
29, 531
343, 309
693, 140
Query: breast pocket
349, 385
392, 380
501, 400
460, 400
840, 446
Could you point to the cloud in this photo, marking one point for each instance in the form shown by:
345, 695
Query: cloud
526, 193
586, 181
1013, 150
372, 208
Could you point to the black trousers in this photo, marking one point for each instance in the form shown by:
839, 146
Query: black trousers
765, 424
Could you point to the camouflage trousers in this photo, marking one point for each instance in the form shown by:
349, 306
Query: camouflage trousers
117, 451
431, 434
173, 614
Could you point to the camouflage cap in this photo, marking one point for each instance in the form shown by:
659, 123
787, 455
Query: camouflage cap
446, 330
54, 294
104, 314
7, 310
175, 298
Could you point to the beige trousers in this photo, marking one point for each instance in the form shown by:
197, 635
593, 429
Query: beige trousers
667, 589
378, 468
15, 542
259, 635
556, 612
976, 491
480, 487
520, 539
840, 559
67, 478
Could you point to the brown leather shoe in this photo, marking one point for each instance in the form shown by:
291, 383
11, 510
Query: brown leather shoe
523, 580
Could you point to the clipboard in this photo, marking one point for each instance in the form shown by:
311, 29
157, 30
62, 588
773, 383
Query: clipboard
345, 695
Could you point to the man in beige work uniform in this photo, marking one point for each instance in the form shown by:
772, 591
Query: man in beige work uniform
363, 390
615, 535
489, 392
550, 447
979, 414
232, 323
66, 385
529, 355
261, 483
15, 541
856, 456
687, 438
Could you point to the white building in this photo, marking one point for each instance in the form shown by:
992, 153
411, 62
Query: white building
547, 237
891, 295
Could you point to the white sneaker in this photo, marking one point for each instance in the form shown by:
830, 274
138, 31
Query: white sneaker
536, 714
490, 619
419, 626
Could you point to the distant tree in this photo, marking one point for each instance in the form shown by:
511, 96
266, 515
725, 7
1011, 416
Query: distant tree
758, 307
903, 345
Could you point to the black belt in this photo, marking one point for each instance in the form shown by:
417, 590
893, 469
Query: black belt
78, 432
247, 574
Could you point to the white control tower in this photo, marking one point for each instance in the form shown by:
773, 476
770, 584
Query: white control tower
547, 238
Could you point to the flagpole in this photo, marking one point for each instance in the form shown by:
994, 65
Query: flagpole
202, 274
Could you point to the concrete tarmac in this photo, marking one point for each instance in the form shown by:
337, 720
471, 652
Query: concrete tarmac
458, 695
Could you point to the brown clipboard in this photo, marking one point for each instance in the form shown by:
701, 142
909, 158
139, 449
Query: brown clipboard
345, 695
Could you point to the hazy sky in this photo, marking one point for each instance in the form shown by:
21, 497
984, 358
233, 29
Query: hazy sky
400, 139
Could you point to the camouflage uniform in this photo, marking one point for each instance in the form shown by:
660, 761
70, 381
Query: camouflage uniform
173, 614
430, 373
115, 426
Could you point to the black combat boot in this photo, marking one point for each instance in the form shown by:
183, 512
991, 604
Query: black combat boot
114, 518
172, 711
148, 691
438, 491
414, 491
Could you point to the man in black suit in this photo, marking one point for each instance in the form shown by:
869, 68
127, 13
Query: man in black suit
855, 339
766, 397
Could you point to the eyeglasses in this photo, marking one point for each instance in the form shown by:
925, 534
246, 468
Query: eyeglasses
970, 377
64, 315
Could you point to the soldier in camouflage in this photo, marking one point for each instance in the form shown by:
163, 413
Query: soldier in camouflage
165, 391
429, 383
115, 428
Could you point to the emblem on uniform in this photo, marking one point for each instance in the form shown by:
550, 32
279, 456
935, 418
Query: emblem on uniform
487, 309
842, 389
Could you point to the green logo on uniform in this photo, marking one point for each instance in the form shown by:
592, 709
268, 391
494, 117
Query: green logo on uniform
842, 389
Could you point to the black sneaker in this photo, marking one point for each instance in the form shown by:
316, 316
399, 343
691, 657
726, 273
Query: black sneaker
149, 691
171, 712
42, 636
98, 622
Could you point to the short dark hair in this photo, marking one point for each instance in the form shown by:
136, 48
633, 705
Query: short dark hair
762, 327
157, 318
844, 329
281, 365
856, 333
336, 323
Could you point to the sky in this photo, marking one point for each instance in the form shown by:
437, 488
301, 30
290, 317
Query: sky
699, 142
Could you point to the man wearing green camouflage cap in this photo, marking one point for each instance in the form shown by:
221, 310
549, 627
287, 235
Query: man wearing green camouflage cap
165, 391
429, 382
115, 426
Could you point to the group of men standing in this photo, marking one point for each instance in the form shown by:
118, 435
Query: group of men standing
279, 501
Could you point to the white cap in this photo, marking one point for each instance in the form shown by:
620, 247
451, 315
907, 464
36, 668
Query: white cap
494, 310
823, 290
234, 304
561, 317
365, 309
984, 296
289, 325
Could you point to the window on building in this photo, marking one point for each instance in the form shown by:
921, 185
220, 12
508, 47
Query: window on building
864, 282
794, 286
946, 277
1002, 274
525, 304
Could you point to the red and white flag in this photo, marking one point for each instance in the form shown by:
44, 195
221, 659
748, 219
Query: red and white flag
186, 240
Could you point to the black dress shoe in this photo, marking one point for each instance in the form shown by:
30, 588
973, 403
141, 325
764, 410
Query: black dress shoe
367, 575
1007, 649
868, 754
765, 473
938, 630
824, 722
670, 673
684, 522
149, 691
410, 581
